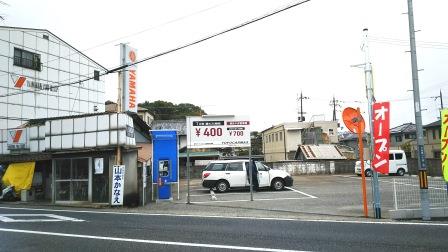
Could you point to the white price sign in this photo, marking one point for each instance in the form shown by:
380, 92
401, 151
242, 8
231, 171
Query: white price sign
218, 132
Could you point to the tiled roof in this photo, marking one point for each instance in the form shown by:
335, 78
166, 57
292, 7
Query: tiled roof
404, 128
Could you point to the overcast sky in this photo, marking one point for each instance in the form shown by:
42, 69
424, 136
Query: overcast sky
258, 70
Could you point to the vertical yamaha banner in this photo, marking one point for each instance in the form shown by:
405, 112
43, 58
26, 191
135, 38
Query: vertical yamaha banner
381, 112
129, 82
444, 143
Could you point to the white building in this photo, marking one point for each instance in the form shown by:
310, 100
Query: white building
37, 75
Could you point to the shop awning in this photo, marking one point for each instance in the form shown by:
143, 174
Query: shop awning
20, 175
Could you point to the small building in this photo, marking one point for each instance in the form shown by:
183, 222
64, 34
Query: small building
73, 156
280, 142
319, 152
402, 136
432, 136
351, 140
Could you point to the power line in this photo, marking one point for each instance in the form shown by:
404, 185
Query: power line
116, 69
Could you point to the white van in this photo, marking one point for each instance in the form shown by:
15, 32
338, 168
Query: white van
397, 164
225, 174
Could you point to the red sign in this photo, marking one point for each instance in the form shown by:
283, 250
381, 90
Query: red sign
381, 112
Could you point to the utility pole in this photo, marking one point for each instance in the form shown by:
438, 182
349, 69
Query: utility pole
423, 178
334, 103
370, 99
301, 98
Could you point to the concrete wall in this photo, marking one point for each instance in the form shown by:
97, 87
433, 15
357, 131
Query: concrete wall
434, 166
315, 167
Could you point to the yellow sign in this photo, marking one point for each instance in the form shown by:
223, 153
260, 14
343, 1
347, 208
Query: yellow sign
20, 175
444, 143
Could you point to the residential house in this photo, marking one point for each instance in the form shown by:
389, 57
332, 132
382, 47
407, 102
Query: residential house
402, 137
280, 142
351, 140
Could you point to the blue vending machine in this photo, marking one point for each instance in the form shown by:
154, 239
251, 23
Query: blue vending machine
165, 162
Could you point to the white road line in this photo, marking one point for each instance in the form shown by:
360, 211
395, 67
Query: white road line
49, 218
391, 182
182, 244
231, 217
244, 200
242, 193
306, 194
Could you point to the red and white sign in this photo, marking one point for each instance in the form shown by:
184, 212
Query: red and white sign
17, 139
129, 88
218, 132
25, 83
381, 112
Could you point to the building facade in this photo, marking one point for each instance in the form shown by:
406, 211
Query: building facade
42, 76
280, 142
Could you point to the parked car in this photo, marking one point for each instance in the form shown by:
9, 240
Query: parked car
397, 164
222, 175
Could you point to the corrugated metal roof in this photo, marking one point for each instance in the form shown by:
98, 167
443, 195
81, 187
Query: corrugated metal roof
179, 125
319, 152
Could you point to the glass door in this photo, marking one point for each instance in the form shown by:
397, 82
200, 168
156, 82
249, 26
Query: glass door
72, 179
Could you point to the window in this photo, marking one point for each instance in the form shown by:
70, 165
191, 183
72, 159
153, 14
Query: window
391, 156
276, 136
261, 167
281, 136
27, 59
269, 138
235, 167
216, 167
406, 136
331, 132
434, 135
398, 156
398, 138
96, 75
437, 154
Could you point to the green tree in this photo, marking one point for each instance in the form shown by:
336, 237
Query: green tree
163, 110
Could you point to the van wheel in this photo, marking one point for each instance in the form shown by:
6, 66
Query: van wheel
222, 186
400, 172
277, 184
368, 173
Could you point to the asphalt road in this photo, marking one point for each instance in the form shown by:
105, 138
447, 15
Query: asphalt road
92, 230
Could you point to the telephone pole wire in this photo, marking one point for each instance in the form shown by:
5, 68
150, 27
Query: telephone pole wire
301, 118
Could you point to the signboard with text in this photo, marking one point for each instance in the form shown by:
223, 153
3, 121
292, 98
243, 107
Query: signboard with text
118, 172
381, 112
444, 143
218, 131
129, 89
17, 139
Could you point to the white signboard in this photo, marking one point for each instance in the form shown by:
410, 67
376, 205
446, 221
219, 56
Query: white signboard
99, 165
129, 89
17, 139
144, 175
118, 185
218, 131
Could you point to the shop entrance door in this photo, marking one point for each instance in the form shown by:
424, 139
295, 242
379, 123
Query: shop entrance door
72, 178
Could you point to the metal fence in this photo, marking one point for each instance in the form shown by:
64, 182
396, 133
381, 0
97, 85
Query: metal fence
407, 192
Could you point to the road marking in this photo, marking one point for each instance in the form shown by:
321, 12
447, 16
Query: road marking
241, 193
183, 244
48, 218
391, 182
306, 194
244, 200
233, 217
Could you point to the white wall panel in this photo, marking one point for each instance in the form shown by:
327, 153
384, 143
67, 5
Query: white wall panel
74, 105
3, 91
14, 110
56, 142
83, 107
41, 113
84, 69
41, 100
4, 80
29, 41
93, 96
91, 123
29, 99
29, 73
78, 140
3, 124
4, 64
53, 75
101, 107
90, 139
4, 48
3, 111
67, 126
16, 37
64, 103
56, 127
53, 62
42, 144
5, 149
14, 124
4, 34
28, 112
80, 125
54, 48
103, 122
103, 138
47, 143
53, 113
64, 65
34, 145
53, 101
42, 44
42, 75
65, 51
15, 99
67, 141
